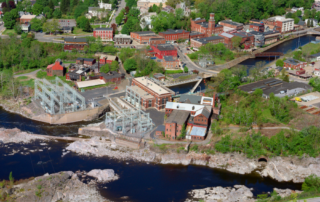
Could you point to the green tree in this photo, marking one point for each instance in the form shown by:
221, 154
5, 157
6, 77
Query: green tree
258, 92
298, 13
119, 18
37, 9
183, 132
105, 68
236, 42
130, 65
51, 26
17, 28
186, 70
279, 63
57, 13
87, 27
36, 24
114, 66
48, 12
8, 20
179, 13
308, 23
286, 78
311, 24
11, 179
51, 5
311, 183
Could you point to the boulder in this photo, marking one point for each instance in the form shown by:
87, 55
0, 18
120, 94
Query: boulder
105, 175
286, 192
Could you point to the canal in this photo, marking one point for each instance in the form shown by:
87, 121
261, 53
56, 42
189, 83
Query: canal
138, 181
283, 47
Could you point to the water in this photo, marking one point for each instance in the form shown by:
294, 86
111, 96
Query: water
185, 88
284, 48
138, 181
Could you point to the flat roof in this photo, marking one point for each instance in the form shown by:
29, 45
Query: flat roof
152, 85
198, 131
144, 32
144, 94
227, 35
183, 106
164, 47
231, 22
208, 39
95, 82
28, 16
109, 29
176, 31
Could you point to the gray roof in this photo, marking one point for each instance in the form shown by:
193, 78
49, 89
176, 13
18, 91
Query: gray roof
193, 99
157, 75
161, 128
169, 58
205, 113
231, 22
256, 24
208, 39
176, 31
75, 40
206, 24
144, 32
178, 116
108, 29
301, 23
195, 33
164, 47
314, 55
292, 61
111, 75
86, 59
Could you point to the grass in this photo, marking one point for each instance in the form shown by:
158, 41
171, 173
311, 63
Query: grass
22, 78
68, 61
43, 75
29, 83
8, 31
307, 49
98, 86
79, 31
218, 61
98, 26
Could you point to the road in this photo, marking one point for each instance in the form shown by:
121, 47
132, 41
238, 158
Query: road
310, 200
30, 74
120, 7
185, 59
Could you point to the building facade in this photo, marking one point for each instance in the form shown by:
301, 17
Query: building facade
107, 59
208, 28
258, 27
197, 43
294, 64
105, 34
156, 41
164, 50
284, 24
175, 122
143, 37
122, 39
86, 61
56, 69
230, 25
173, 35
170, 62
75, 43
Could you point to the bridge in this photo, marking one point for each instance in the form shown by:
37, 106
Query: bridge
269, 54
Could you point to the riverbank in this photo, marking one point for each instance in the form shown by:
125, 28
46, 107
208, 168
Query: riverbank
61, 186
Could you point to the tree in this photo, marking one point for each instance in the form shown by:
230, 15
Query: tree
37, 9
311, 24
57, 13
286, 78
311, 183
114, 66
130, 65
119, 18
51, 5
105, 68
11, 179
183, 132
36, 24
51, 26
258, 92
298, 13
114, 27
279, 63
296, 20
17, 28
236, 41
64, 6
308, 23
8, 20
127, 9
186, 70
179, 13
87, 27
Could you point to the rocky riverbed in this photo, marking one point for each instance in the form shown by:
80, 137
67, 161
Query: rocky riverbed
17, 136
62, 186
280, 168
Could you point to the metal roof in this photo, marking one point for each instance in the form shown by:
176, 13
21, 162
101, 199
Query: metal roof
164, 47
231, 22
108, 29
178, 116
227, 35
176, 31
193, 99
169, 58
95, 82
198, 131
208, 39
161, 128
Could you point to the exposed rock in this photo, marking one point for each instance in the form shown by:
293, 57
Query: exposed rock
293, 168
106, 175
286, 192
62, 186
17, 136
239, 193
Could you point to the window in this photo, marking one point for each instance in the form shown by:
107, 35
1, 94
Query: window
150, 103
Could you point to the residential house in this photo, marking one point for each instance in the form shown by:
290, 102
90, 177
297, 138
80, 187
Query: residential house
146, 20
150, 3
105, 6
66, 25
25, 27
105, 34
96, 12
294, 64
186, 10
168, 9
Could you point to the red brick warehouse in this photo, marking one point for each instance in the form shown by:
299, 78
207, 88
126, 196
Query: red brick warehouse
164, 50
207, 28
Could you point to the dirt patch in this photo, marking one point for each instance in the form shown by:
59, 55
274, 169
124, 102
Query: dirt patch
305, 120
269, 133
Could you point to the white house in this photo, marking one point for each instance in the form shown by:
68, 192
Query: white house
146, 20
316, 73
315, 22
295, 9
96, 12
105, 6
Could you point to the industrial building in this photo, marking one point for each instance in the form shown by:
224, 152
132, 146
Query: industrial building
147, 92
207, 28
57, 97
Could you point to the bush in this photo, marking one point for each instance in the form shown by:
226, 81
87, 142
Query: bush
194, 148
174, 71
41, 74
311, 183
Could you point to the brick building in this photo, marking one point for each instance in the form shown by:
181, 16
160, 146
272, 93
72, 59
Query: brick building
56, 69
259, 27
164, 50
173, 35
208, 28
197, 43
230, 25
170, 62
294, 64
75, 43
157, 41
152, 94
111, 76
247, 39
26, 18
175, 122
271, 36
194, 35
280, 23
159, 76
105, 34
87, 61
143, 37
107, 59
122, 39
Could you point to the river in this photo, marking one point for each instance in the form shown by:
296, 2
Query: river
283, 47
138, 181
